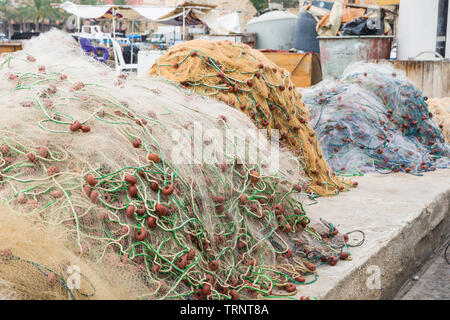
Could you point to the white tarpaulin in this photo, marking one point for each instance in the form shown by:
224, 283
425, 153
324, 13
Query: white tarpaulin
166, 15
85, 11
127, 12
152, 14
222, 24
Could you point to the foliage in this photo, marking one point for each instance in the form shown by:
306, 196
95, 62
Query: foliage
91, 2
7, 11
260, 4
263, 4
35, 11
40, 10
288, 3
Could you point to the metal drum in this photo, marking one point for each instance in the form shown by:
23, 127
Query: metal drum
275, 30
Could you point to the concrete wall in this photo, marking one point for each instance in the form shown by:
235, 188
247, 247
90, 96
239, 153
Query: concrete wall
417, 28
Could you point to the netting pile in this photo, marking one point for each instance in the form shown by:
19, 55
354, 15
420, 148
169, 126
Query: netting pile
374, 119
99, 155
36, 263
440, 108
246, 80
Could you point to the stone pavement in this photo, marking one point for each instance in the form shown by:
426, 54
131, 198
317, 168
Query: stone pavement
405, 219
433, 282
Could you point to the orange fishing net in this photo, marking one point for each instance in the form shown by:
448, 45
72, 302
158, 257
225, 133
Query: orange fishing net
245, 79
441, 115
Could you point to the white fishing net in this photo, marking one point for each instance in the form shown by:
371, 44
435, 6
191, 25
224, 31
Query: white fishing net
137, 174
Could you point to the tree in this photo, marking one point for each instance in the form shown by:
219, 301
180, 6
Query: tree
91, 2
288, 3
39, 10
260, 4
263, 4
7, 13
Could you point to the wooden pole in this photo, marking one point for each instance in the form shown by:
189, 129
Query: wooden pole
184, 23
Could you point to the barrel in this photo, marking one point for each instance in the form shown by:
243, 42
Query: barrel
305, 38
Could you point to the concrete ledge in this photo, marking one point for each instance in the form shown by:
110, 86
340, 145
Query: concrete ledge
433, 282
405, 218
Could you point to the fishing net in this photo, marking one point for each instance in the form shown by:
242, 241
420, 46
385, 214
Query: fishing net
246, 80
374, 119
115, 161
6, 291
36, 263
440, 108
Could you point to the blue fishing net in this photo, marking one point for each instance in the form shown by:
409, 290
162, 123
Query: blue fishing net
374, 119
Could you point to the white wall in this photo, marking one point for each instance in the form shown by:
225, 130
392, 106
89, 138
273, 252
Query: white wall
447, 50
417, 27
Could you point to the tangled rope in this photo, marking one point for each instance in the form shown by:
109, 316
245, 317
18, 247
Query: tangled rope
246, 80
375, 120
52, 277
95, 157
